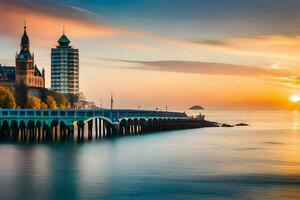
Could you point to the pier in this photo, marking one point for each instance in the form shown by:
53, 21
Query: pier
28, 125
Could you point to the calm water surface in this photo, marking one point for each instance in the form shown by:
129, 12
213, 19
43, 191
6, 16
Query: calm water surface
261, 161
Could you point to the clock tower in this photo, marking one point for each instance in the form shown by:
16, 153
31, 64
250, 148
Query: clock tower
26, 72
24, 61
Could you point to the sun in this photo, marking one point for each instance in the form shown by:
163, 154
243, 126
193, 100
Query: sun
295, 98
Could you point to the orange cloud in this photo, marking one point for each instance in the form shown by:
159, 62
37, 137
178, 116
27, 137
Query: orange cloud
273, 47
46, 25
207, 68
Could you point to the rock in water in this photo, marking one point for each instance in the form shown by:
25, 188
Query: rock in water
226, 125
242, 124
196, 107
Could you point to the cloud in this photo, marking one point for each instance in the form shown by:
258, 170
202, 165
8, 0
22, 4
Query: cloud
277, 47
216, 43
290, 81
273, 143
207, 68
45, 20
248, 149
137, 46
50, 7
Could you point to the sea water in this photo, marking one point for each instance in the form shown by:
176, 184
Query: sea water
260, 161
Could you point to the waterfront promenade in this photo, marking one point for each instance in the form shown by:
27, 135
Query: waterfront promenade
79, 125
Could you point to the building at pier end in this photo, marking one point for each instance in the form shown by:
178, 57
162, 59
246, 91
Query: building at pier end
65, 68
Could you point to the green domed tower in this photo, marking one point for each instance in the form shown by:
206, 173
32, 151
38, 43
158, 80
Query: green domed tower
65, 67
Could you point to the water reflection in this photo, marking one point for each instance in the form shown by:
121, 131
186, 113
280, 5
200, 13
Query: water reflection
256, 162
295, 120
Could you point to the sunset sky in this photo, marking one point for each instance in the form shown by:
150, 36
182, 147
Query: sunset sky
153, 53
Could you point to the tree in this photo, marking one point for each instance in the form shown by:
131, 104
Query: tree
61, 100
50, 101
7, 100
44, 105
34, 103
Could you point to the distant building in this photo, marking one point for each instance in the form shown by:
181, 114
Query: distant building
7, 74
65, 68
84, 103
25, 72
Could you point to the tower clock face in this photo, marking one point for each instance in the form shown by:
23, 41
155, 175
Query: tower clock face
21, 56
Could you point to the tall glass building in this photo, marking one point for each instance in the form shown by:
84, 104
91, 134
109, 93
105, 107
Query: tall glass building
65, 67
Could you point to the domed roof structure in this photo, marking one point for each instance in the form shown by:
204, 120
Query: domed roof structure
64, 40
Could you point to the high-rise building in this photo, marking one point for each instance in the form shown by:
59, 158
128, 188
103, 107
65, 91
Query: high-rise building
65, 67
27, 72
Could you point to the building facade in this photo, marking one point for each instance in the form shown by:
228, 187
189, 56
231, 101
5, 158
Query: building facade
25, 72
65, 68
